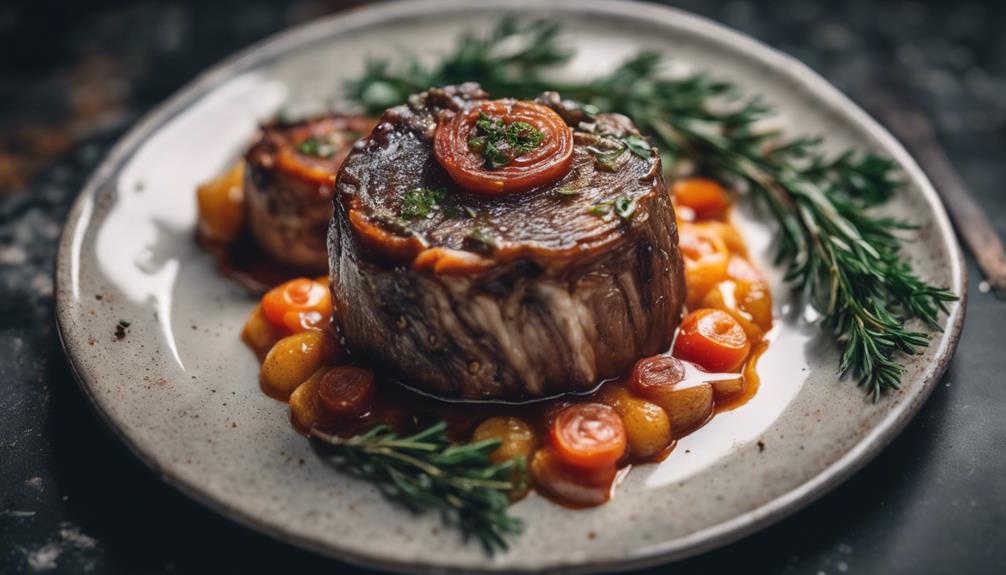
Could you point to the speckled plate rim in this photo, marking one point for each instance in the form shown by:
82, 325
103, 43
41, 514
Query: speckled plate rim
71, 243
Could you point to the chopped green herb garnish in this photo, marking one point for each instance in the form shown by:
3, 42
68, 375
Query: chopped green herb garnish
454, 211
124, 323
499, 143
420, 202
523, 137
480, 240
638, 145
607, 160
495, 158
492, 128
567, 192
477, 144
317, 148
600, 208
625, 207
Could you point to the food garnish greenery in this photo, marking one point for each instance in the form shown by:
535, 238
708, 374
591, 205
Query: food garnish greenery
420, 202
427, 471
316, 147
837, 251
498, 143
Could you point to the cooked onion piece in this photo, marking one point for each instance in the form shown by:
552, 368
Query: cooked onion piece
503, 146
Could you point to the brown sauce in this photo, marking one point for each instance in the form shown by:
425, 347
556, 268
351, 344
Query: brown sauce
245, 263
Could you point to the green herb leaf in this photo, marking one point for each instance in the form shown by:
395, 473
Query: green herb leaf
523, 137
427, 472
480, 240
495, 158
567, 192
638, 145
601, 208
456, 212
420, 202
625, 207
124, 323
477, 144
607, 160
499, 143
492, 128
316, 148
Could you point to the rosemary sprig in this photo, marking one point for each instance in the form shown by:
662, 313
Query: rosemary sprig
845, 258
508, 60
426, 471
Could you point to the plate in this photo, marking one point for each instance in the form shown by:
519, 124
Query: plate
181, 390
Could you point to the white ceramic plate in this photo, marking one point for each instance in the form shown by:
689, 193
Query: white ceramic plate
181, 389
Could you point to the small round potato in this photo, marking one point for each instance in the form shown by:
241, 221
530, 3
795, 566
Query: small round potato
306, 411
259, 334
516, 437
221, 203
647, 427
688, 405
293, 359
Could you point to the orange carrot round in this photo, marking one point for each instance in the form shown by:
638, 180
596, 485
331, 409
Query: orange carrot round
588, 435
705, 197
712, 339
298, 305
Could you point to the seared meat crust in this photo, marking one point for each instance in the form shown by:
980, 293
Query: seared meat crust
289, 192
505, 298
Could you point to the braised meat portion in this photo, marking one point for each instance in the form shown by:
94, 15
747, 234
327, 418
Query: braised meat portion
480, 292
289, 175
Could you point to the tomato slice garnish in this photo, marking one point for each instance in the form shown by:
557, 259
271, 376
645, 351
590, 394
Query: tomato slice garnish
346, 391
297, 305
588, 435
517, 164
712, 339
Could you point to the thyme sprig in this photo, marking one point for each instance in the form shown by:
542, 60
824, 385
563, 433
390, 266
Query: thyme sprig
837, 251
426, 471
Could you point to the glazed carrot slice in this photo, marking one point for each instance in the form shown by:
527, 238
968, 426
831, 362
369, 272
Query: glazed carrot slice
705, 197
713, 339
588, 435
298, 305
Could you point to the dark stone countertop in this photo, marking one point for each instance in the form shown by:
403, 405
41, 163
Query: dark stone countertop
73, 500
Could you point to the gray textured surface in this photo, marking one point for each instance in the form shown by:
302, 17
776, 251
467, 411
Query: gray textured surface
72, 498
